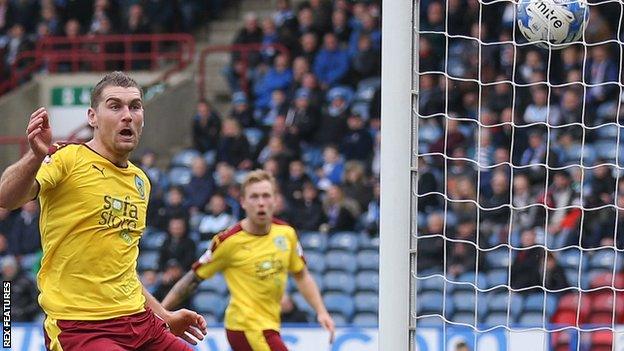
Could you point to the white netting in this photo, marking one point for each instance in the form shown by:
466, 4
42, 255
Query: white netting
520, 238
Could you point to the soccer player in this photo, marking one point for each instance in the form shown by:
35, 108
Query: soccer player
93, 206
255, 256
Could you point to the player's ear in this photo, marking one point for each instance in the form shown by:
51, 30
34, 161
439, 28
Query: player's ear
92, 120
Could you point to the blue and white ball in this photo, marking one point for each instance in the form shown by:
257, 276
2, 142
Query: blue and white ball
558, 22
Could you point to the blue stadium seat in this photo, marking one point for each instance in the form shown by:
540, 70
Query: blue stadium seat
570, 258
210, 157
315, 261
339, 282
344, 91
429, 303
210, 319
572, 276
464, 317
313, 157
341, 261
339, 303
497, 277
313, 241
339, 319
302, 304
531, 319
534, 303
148, 260
433, 283
465, 301
367, 281
470, 277
184, 158
367, 302
179, 176
552, 301
365, 320
430, 321
496, 318
368, 260
498, 258
152, 240
366, 89
602, 259
346, 241
202, 246
208, 302
215, 284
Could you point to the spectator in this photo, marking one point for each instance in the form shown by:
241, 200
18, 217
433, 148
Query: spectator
340, 211
284, 16
276, 150
308, 47
137, 24
233, 147
172, 273
540, 110
270, 37
305, 21
308, 212
462, 256
206, 127
4, 245
241, 111
25, 238
357, 144
6, 16
24, 307
372, 215
332, 168
293, 185
523, 219
217, 219
355, 185
15, 43
302, 119
340, 26
177, 245
174, 206
277, 107
251, 33
562, 226
6, 220
555, 277
525, 270
431, 249
290, 313
201, 186
334, 118
278, 77
331, 64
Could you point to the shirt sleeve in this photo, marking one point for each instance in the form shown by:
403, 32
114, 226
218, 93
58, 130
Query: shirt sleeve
297, 260
212, 261
53, 170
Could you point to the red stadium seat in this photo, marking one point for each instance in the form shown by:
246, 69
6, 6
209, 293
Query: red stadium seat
566, 313
601, 340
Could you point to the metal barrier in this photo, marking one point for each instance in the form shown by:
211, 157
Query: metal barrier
103, 52
244, 49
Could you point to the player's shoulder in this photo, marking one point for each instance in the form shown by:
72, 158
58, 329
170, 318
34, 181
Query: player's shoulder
227, 235
138, 170
62, 150
283, 225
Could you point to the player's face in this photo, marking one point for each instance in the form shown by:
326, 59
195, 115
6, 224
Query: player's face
118, 119
259, 202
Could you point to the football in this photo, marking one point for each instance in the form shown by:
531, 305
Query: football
552, 23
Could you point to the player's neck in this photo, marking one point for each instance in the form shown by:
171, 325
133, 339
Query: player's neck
254, 228
118, 160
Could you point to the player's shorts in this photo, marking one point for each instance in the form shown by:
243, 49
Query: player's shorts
143, 331
255, 340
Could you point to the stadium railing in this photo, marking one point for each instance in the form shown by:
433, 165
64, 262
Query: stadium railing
101, 52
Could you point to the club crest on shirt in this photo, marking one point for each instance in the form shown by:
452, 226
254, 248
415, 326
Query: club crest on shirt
140, 185
280, 243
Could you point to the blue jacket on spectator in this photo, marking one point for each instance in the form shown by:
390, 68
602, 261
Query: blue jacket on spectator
273, 80
331, 66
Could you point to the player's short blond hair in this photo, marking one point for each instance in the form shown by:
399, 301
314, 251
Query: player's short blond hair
257, 176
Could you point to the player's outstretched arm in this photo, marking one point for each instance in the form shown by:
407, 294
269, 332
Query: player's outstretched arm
182, 323
184, 288
309, 290
17, 184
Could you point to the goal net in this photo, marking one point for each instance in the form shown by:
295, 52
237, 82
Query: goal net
519, 195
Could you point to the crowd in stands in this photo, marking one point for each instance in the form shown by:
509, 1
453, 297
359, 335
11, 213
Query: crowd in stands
23, 23
310, 117
507, 155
